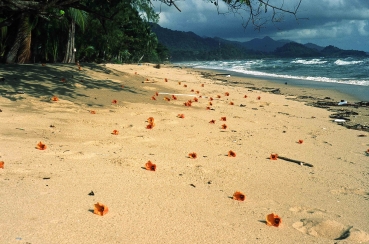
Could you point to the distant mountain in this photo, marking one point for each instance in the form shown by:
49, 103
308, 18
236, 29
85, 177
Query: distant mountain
313, 46
187, 46
266, 44
294, 49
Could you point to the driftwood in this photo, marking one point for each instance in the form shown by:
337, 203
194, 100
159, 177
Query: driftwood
296, 161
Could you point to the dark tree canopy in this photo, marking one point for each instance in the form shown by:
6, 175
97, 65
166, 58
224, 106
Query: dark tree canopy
71, 30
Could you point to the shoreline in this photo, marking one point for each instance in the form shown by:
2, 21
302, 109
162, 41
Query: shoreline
353, 93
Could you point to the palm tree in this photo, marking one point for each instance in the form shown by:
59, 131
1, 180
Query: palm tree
74, 16
21, 48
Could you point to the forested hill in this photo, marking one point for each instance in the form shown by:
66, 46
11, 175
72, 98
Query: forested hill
187, 46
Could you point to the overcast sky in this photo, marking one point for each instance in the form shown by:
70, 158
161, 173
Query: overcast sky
342, 23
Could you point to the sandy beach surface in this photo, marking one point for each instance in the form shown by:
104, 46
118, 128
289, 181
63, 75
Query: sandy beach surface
48, 196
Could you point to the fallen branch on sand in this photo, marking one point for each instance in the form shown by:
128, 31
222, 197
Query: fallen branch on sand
295, 161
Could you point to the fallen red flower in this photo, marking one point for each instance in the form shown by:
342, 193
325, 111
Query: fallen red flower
192, 155
100, 209
239, 196
231, 154
41, 146
273, 220
150, 166
273, 156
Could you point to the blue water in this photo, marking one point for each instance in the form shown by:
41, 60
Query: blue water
347, 75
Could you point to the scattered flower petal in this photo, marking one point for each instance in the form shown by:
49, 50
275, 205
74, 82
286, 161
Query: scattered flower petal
258, 97
226, 94
54, 98
212, 121
202, 85
115, 132
245, 96
300, 141
181, 116
231, 103
1, 164
92, 112
166, 80
114, 101
223, 118
224, 126
174, 97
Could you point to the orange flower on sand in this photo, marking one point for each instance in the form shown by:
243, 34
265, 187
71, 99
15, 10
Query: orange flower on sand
188, 103
231, 154
184, 85
273, 220
192, 90
273, 156
195, 99
114, 101
115, 132
179, 83
181, 116
166, 80
156, 94
174, 97
202, 85
150, 166
197, 92
135, 73
100, 209
300, 141
367, 151
226, 94
239, 196
208, 108
167, 99
192, 155
150, 126
231, 103
218, 96
223, 118
92, 112
210, 103
1, 164
41, 146
245, 96
210, 98
150, 120
258, 97
224, 126
153, 98
54, 98
212, 121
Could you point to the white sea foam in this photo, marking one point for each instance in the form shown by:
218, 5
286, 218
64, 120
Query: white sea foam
312, 61
343, 62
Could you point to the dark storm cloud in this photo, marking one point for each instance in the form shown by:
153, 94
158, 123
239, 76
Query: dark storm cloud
342, 23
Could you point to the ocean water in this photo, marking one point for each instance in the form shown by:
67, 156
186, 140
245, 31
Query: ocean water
347, 75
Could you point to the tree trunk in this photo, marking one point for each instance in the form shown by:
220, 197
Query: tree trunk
22, 43
70, 53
